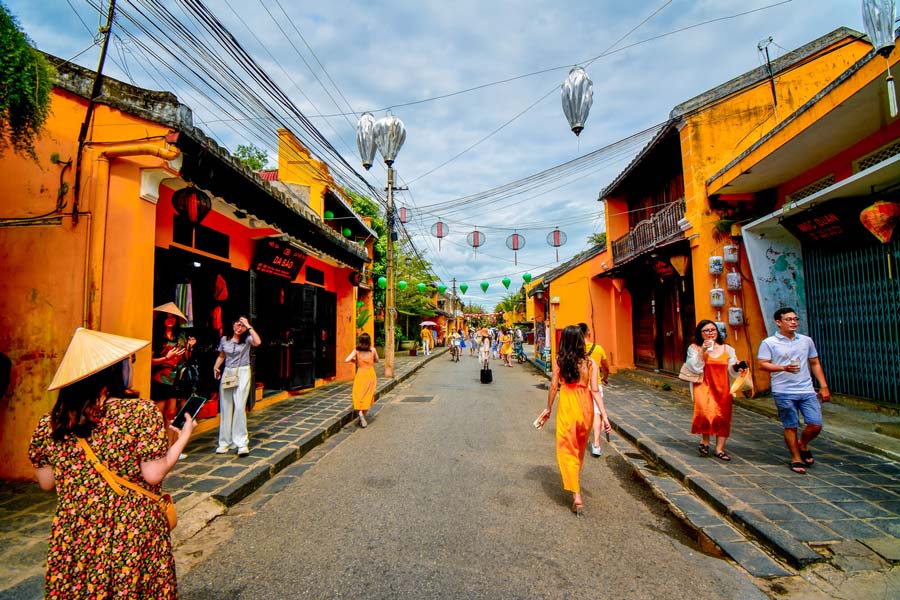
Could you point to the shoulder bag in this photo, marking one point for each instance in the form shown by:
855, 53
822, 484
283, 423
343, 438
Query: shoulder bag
116, 482
685, 374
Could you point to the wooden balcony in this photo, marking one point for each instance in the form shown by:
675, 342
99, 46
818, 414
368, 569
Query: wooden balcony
650, 233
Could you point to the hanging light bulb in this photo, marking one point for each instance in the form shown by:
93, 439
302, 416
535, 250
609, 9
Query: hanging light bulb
577, 97
365, 139
878, 18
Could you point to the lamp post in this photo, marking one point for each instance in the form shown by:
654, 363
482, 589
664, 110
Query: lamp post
387, 134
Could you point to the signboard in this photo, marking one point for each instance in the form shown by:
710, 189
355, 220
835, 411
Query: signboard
277, 258
833, 223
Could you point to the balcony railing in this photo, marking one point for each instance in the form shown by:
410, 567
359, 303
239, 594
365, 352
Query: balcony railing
661, 227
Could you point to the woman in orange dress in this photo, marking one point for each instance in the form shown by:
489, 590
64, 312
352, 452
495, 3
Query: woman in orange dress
364, 383
575, 376
710, 356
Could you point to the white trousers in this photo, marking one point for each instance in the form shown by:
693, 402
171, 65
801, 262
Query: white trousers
425, 347
232, 410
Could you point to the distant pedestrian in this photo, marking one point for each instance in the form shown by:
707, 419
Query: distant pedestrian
234, 386
506, 347
575, 377
716, 362
365, 357
484, 351
426, 340
596, 351
791, 358
473, 344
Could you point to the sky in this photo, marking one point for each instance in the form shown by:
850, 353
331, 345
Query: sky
341, 58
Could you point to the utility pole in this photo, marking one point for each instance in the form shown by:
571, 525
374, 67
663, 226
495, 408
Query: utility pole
454, 303
390, 309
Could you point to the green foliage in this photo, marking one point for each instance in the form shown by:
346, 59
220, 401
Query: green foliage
362, 317
597, 239
253, 157
512, 302
26, 80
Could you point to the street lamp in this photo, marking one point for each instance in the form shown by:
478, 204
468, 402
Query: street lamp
388, 135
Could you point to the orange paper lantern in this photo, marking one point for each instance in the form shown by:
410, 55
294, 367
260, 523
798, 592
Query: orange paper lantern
880, 219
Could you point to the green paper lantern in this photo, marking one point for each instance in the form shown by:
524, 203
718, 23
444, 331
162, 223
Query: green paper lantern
402, 285
484, 286
421, 287
442, 288
347, 233
362, 243
506, 281
360, 304
382, 282
463, 287
329, 215
527, 277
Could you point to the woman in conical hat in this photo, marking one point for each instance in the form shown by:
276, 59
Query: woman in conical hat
128, 437
171, 350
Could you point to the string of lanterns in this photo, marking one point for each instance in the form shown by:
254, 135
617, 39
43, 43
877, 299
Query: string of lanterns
441, 288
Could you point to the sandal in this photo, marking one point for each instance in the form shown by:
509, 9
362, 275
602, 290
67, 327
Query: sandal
722, 456
807, 457
703, 449
798, 467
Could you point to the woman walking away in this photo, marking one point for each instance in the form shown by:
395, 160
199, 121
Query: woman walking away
578, 394
104, 543
484, 352
364, 382
234, 387
716, 362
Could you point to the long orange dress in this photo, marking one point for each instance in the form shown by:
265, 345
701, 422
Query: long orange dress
365, 381
712, 399
574, 418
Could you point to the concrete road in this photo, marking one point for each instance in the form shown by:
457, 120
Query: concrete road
455, 495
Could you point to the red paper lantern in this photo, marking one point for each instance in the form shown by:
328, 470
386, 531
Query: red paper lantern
476, 239
191, 204
440, 231
515, 242
881, 219
404, 216
557, 238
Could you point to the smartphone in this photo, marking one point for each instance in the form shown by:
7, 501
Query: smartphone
191, 407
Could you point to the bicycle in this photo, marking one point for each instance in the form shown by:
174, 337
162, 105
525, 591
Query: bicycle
454, 352
519, 352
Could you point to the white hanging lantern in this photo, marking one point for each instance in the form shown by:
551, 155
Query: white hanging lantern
365, 139
389, 137
878, 18
733, 281
731, 253
577, 98
717, 297
735, 316
716, 265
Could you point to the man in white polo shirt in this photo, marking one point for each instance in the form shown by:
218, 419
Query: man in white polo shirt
790, 357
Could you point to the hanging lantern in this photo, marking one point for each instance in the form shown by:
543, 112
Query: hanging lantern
878, 19
515, 242
735, 316
365, 139
484, 286
329, 215
463, 287
577, 97
404, 215
476, 239
382, 282
402, 285
440, 231
506, 281
360, 304
731, 253
733, 281
680, 263
717, 297
881, 219
557, 238
421, 287
716, 265
441, 289
191, 204
346, 231
618, 283
389, 137
526, 277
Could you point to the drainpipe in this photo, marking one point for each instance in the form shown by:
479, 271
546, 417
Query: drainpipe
93, 272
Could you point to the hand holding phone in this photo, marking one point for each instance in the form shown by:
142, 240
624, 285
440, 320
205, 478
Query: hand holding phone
190, 408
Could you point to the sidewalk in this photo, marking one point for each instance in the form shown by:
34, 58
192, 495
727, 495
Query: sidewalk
204, 484
845, 510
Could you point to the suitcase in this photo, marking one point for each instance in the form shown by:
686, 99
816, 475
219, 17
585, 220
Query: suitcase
487, 376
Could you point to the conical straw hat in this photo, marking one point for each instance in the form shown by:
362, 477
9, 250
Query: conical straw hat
172, 309
92, 351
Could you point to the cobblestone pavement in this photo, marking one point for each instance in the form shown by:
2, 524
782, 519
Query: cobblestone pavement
204, 484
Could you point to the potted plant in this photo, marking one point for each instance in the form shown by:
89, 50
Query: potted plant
414, 348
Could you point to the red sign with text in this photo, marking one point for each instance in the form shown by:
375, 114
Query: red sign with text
276, 258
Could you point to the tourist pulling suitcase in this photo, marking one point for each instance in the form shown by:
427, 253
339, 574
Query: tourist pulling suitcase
487, 376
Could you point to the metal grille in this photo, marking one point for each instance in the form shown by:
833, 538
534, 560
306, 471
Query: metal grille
854, 318
873, 158
810, 189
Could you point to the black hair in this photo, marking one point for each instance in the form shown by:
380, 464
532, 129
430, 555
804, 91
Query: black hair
584, 328
78, 409
364, 343
783, 311
570, 354
698, 333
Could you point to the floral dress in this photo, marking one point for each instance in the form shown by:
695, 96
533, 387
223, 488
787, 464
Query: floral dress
103, 545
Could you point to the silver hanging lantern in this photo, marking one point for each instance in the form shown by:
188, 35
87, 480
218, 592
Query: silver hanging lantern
577, 98
365, 139
878, 19
389, 137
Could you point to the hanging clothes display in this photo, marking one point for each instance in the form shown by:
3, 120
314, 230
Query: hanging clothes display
184, 299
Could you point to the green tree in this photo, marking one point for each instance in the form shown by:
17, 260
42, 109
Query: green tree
26, 80
255, 158
512, 302
597, 239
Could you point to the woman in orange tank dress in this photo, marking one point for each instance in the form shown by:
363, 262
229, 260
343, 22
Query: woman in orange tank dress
716, 361
575, 376
364, 383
